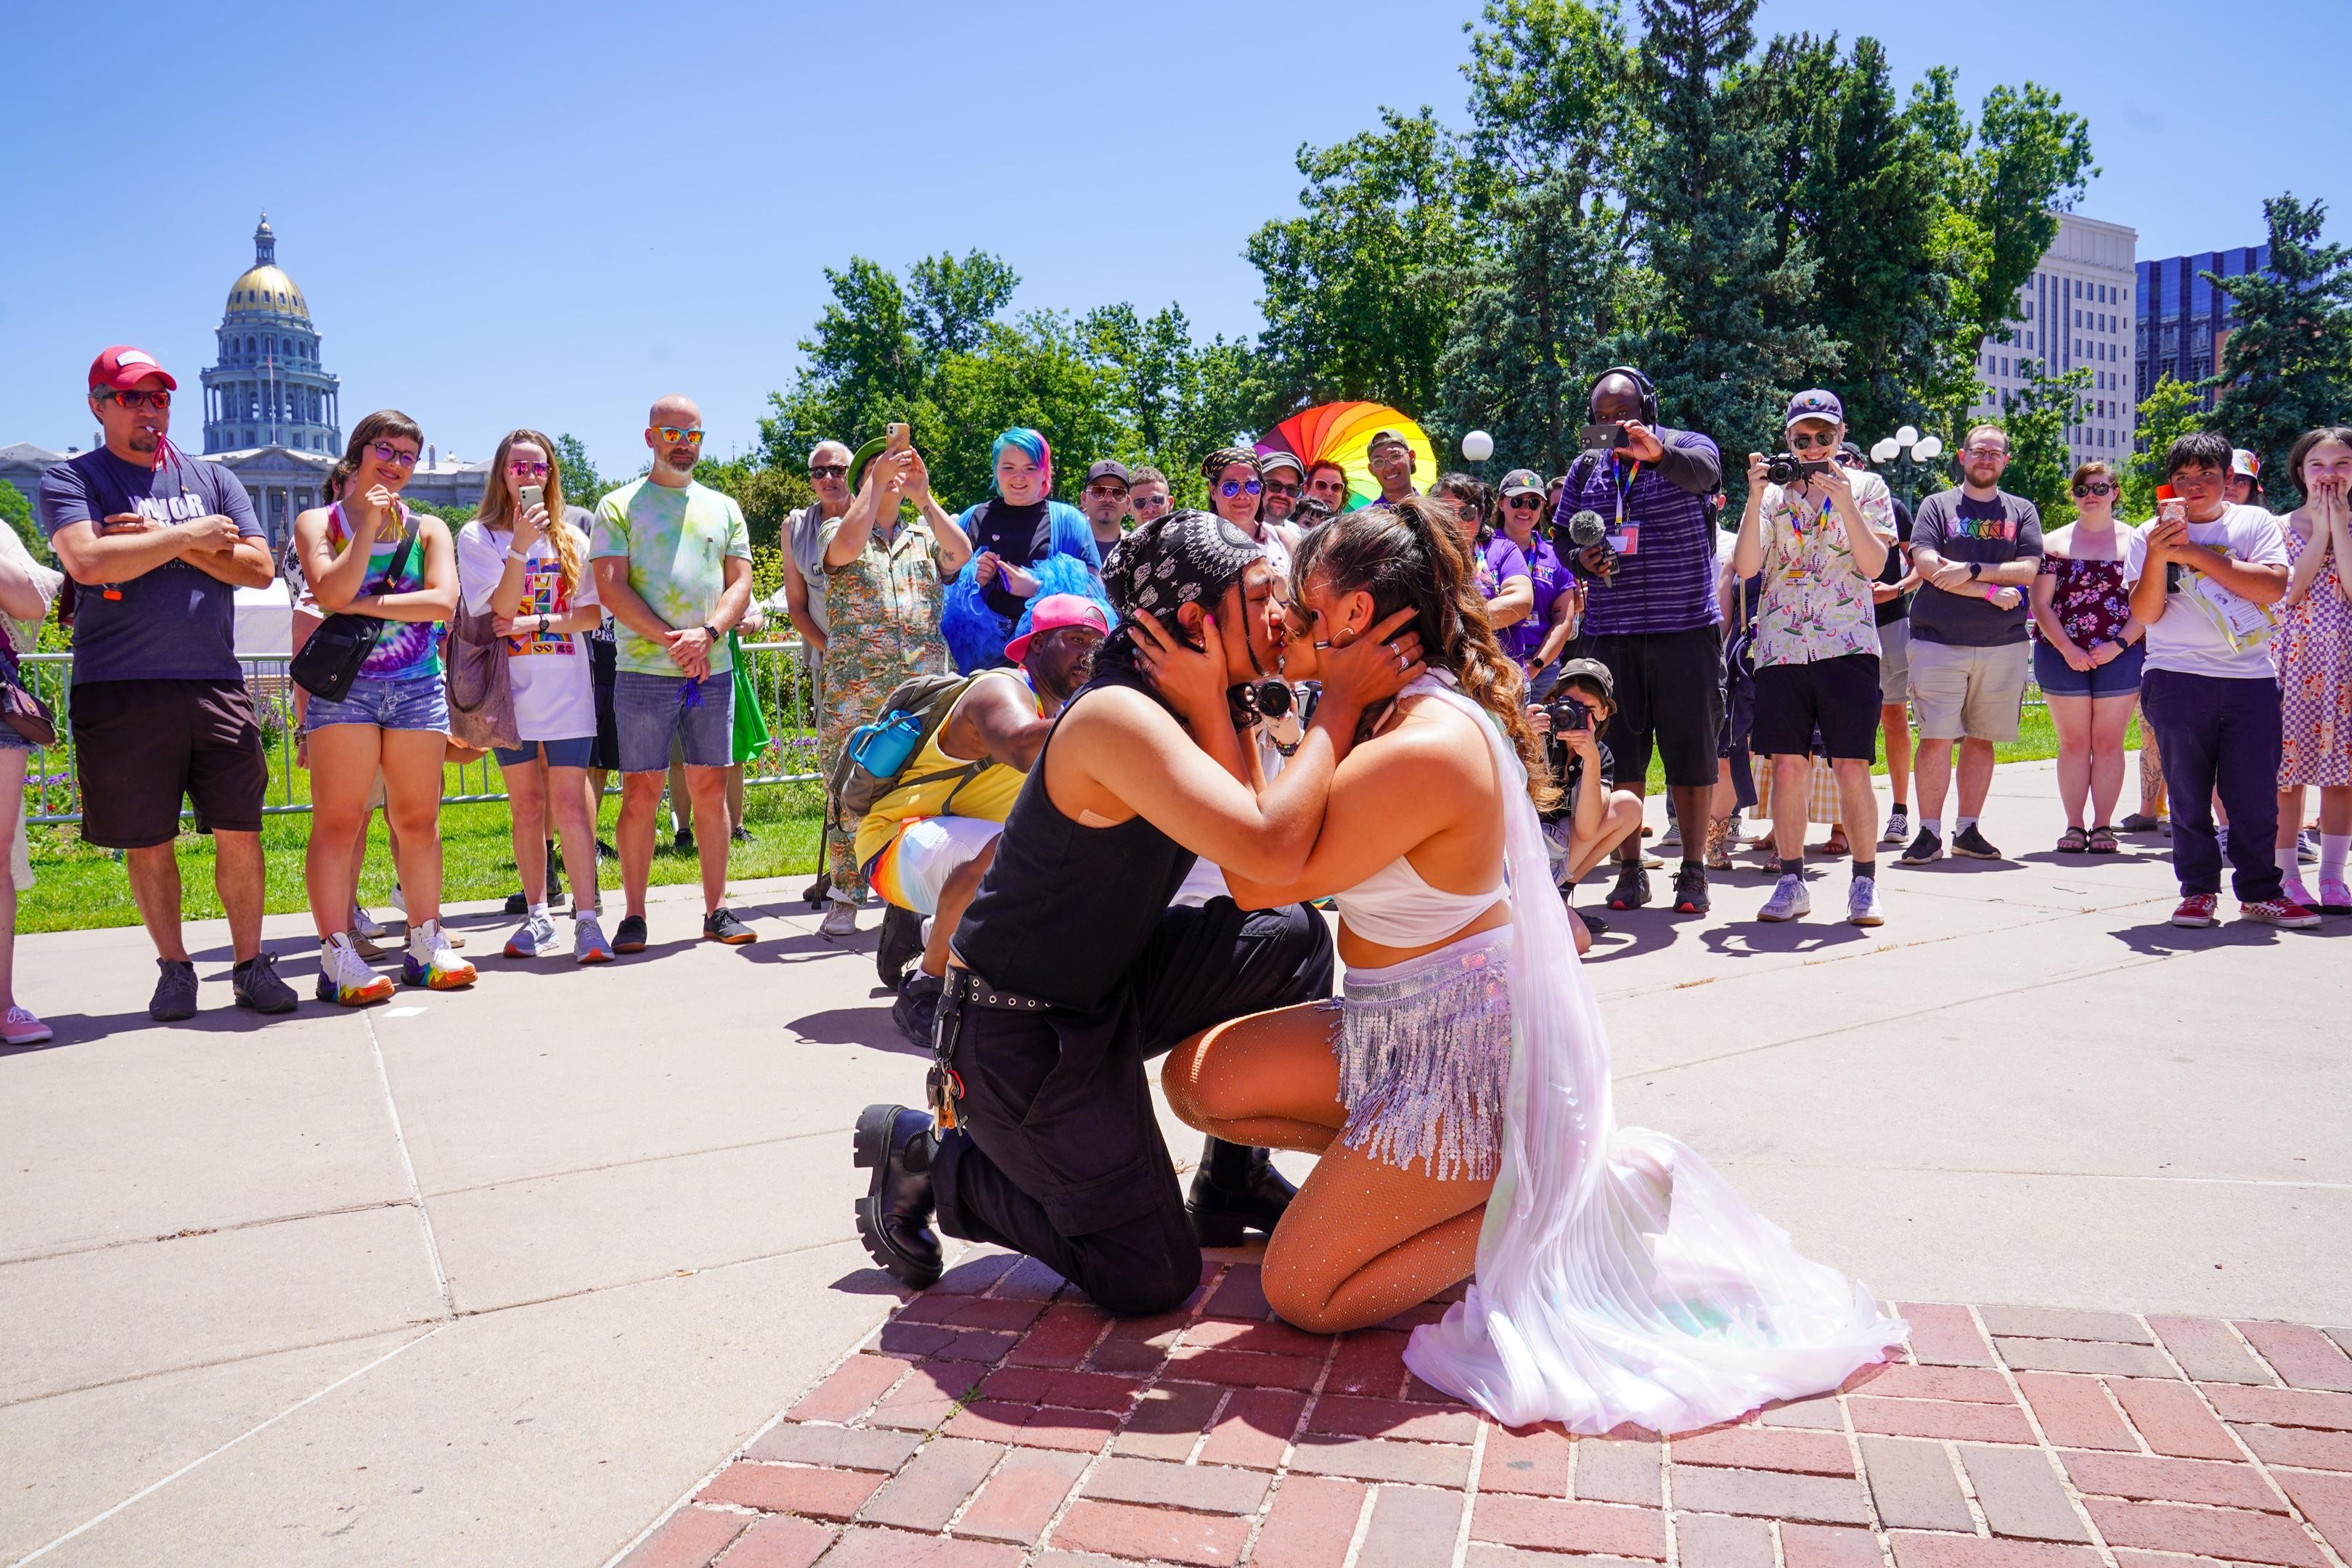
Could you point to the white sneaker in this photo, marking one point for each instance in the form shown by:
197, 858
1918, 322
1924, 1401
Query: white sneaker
534, 938
21, 1028
1861, 906
365, 924
398, 902
345, 979
1788, 901
840, 919
1898, 827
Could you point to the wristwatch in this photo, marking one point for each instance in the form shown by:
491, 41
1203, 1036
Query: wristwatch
709, 631
1975, 569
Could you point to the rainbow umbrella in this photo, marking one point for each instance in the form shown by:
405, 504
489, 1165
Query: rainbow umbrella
1341, 433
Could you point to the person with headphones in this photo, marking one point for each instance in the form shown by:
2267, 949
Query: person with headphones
1650, 614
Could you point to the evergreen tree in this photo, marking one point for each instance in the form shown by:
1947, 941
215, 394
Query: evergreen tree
2287, 365
2171, 411
1732, 332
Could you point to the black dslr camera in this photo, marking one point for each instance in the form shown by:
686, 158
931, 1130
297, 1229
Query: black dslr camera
1567, 714
1786, 469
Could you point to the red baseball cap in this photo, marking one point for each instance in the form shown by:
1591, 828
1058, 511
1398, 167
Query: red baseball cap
123, 368
1053, 612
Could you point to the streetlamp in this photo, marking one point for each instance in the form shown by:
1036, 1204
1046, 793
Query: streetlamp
1907, 446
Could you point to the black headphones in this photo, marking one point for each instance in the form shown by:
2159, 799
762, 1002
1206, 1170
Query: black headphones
1641, 384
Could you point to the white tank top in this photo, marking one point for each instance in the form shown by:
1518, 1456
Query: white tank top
1395, 907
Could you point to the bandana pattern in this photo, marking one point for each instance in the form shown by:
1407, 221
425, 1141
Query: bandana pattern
1183, 558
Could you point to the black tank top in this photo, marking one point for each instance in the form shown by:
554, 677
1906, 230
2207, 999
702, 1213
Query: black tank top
1066, 911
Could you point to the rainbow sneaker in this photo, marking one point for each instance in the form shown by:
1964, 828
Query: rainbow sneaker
442, 970
344, 977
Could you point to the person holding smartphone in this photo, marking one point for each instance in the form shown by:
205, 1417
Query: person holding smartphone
523, 561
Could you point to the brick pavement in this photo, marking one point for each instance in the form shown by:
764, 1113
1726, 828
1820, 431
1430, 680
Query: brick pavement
997, 1422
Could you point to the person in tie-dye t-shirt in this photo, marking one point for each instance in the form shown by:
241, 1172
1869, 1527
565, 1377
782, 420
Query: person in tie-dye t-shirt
370, 556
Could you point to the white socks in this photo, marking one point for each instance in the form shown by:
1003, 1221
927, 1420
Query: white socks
1934, 825
1961, 825
2289, 862
2332, 847
539, 910
420, 941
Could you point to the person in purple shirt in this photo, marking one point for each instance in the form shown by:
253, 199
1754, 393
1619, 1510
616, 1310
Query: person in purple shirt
1538, 641
1502, 580
1650, 614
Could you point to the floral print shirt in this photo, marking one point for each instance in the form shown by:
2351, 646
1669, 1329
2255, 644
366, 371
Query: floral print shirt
1816, 603
2090, 599
882, 610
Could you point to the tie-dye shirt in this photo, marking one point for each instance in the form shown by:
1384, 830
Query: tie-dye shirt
407, 650
677, 542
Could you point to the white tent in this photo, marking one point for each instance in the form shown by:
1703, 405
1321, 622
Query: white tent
265, 622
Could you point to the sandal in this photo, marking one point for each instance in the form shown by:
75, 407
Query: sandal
2103, 841
2072, 842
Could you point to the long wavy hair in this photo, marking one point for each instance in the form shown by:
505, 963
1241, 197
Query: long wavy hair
1412, 554
498, 509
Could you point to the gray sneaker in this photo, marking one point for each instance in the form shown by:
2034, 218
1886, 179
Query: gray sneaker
1789, 900
533, 939
588, 943
1898, 826
1861, 906
175, 992
2306, 847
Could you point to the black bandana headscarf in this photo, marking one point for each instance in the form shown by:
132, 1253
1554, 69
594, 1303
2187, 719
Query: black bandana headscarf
1181, 558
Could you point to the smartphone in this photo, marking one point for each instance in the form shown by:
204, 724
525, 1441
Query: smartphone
894, 439
1602, 437
533, 495
2171, 507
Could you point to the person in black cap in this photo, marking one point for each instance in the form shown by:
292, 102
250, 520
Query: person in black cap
1104, 501
1070, 970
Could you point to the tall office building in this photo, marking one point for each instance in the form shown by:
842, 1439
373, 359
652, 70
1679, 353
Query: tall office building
2077, 310
2183, 319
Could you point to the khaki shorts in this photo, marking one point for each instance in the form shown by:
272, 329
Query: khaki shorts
1974, 692
1894, 663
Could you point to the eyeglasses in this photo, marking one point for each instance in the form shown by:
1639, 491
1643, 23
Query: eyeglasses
385, 452
524, 468
1524, 503
673, 435
134, 400
1231, 488
2093, 487
1800, 442
827, 470
1989, 452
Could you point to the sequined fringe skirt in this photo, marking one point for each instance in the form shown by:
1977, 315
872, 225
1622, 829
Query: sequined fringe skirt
1424, 1050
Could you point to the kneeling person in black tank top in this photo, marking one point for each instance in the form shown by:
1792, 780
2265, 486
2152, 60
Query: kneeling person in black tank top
1070, 970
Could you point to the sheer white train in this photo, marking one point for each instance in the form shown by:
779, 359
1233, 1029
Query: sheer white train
1620, 1279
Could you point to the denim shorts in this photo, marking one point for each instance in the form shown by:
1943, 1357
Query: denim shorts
420, 702
577, 752
652, 711
2119, 677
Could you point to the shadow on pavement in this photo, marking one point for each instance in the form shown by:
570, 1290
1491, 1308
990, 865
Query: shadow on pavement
867, 1027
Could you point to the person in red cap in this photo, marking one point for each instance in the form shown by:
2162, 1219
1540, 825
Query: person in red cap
925, 844
158, 544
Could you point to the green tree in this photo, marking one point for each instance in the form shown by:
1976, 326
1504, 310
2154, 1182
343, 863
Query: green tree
954, 302
1178, 399
2172, 410
18, 511
2287, 367
2040, 461
1355, 301
1733, 331
1034, 371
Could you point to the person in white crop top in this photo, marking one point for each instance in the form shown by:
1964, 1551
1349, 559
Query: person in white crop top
1626, 1281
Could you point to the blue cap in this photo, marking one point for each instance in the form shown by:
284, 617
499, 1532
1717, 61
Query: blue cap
1814, 404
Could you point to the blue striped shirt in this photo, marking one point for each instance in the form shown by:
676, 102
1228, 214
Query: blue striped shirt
1666, 582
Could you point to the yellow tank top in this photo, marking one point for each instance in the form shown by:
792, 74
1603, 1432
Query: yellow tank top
987, 794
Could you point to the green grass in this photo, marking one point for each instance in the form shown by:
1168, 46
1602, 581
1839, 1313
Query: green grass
2037, 740
80, 886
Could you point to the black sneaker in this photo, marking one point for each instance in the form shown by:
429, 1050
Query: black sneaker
1632, 889
918, 1008
606, 850
894, 1218
2140, 822
1593, 923
629, 936
1928, 846
900, 944
258, 986
684, 842
720, 925
517, 903
1690, 889
175, 992
1967, 841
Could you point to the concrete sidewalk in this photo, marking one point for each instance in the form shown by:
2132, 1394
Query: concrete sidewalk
498, 1276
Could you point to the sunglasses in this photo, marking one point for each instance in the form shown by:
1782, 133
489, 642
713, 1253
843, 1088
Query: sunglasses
2093, 487
385, 452
1153, 502
673, 435
524, 468
1231, 488
1107, 492
1273, 489
1801, 442
1523, 504
827, 470
135, 400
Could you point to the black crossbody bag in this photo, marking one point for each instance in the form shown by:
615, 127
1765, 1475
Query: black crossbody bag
331, 660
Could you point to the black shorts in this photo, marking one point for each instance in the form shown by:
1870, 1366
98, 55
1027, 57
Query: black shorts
140, 745
1837, 696
1669, 695
603, 672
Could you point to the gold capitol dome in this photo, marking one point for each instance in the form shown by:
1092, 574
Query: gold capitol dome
263, 288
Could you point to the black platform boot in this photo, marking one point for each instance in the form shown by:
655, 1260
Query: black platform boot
894, 1218
1236, 1189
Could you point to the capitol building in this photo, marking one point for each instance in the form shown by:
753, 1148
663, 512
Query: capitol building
272, 411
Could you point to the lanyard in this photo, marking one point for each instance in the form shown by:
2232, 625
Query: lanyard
1624, 487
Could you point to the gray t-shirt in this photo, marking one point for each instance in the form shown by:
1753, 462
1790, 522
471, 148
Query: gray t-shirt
808, 554
173, 623
1993, 533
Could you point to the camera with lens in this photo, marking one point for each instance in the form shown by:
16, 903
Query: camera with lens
1786, 469
1567, 715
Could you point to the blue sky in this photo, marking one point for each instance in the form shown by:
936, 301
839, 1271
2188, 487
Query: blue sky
519, 214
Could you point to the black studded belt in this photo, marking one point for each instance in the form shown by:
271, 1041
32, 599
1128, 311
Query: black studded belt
972, 991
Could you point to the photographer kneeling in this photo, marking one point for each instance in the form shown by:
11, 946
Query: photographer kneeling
1594, 817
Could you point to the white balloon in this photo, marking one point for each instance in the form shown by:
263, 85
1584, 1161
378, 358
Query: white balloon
1907, 437
1477, 445
1928, 448
1888, 449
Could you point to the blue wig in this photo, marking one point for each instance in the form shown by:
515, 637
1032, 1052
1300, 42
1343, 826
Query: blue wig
975, 633
1031, 443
